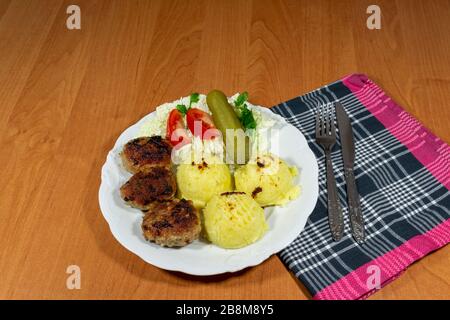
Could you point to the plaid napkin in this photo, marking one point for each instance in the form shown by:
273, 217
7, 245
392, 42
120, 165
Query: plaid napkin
403, 178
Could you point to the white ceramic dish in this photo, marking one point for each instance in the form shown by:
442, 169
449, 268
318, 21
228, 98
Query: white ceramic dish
202, 258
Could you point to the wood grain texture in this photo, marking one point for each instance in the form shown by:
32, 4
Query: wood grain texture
66, 95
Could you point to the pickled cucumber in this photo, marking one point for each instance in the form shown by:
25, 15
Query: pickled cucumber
237, 144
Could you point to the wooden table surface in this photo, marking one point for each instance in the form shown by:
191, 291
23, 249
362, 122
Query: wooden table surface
66, 95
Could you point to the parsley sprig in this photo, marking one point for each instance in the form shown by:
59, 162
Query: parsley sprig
182, 108
245, 115
194, 98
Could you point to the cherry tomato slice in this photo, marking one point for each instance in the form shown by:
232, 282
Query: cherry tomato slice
201, 124
176, 131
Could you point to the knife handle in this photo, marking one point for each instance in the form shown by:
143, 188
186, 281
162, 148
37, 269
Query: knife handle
354, 207
335, 216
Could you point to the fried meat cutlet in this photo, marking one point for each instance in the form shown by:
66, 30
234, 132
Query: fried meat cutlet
145, 152
151, 184
173, 223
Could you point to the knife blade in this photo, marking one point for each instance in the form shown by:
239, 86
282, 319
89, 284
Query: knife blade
348, 155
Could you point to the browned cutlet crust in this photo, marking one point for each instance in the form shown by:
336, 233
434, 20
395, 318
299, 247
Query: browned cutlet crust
173, 223
145, 152
151, 184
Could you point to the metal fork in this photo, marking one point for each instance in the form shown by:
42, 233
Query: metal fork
326, 137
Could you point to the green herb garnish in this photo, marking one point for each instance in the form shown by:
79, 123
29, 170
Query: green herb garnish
182, 108
245, 115
241, 99
246, 118
194, 98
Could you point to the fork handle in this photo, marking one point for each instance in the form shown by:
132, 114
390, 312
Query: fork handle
335, 216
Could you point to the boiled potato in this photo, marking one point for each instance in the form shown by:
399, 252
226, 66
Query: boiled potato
268, 179
234, 220
199, 182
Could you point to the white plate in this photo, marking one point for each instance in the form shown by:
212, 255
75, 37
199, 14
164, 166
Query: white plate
201, 258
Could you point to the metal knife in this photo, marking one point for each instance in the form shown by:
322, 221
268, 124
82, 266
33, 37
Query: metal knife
348, 155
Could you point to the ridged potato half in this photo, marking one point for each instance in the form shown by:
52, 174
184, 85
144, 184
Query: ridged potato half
234, 220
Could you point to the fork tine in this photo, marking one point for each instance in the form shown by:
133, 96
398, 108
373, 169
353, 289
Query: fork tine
332, 128
326, 125
318, 123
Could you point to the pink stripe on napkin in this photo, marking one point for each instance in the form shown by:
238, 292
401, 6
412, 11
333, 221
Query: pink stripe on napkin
391, 265
431, 151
